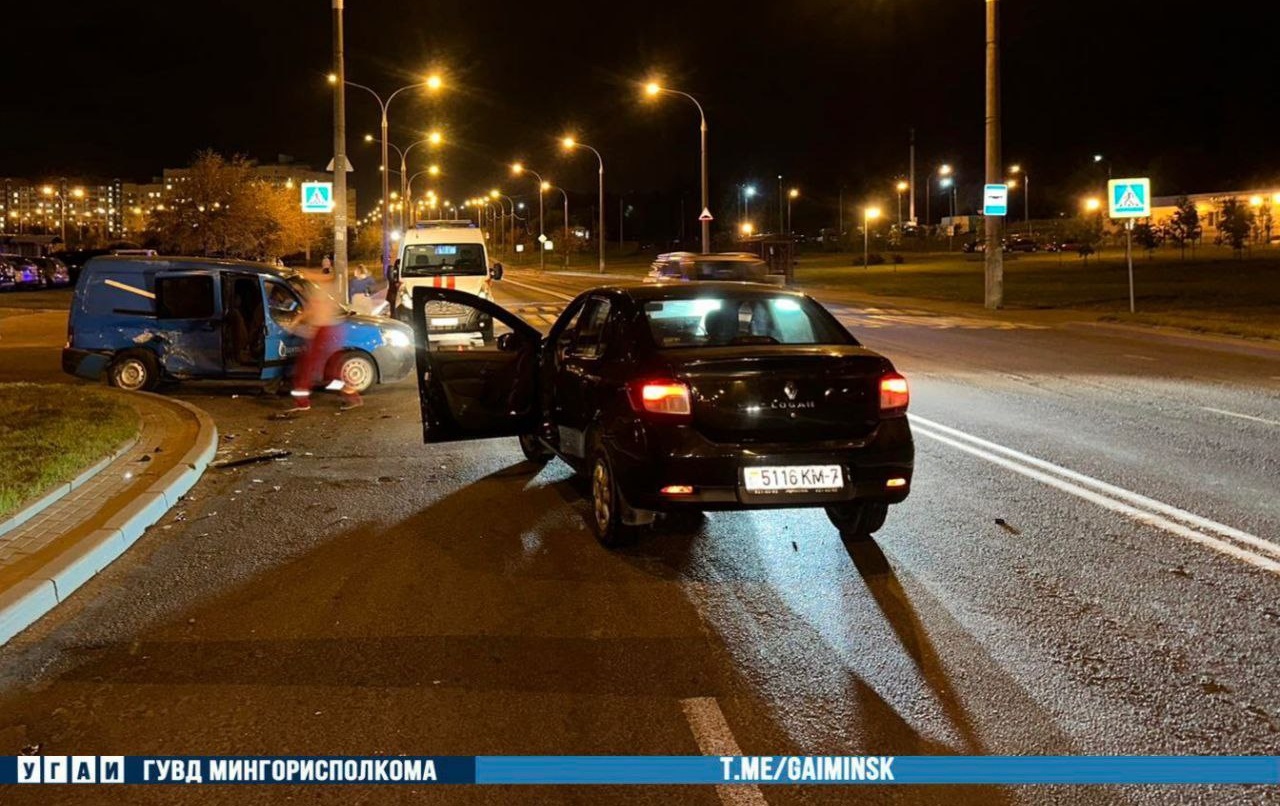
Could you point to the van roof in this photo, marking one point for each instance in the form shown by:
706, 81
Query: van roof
135, 264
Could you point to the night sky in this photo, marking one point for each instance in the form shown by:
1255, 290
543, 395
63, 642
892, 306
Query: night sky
821, 91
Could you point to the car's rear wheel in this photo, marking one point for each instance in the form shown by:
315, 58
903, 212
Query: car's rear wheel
608, 509
356, 370
533, 450
858, 520
134, 371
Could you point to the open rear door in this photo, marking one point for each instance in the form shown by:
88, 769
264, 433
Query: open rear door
474, 385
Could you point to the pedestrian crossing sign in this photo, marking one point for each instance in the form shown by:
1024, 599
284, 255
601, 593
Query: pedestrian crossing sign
317, 197
1129, 198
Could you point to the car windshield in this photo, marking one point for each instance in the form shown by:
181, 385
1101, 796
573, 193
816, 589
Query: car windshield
719, 320
433, 259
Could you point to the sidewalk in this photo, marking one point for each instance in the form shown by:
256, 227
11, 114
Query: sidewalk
56, 550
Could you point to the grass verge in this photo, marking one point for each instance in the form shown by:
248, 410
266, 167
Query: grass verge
50, 433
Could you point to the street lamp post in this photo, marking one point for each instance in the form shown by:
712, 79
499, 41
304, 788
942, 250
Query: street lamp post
901, 186
869, 214
792, 195
570, 143
653, 88
1016, 170
338, 80
565, 243
517, 169
432, 83
498, 195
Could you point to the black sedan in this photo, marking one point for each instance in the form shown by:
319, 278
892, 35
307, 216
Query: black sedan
679, 398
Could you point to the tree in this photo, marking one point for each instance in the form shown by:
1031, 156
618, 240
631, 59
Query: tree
1184, 227
1148, 236
1235, 222
223, 211
1086, 231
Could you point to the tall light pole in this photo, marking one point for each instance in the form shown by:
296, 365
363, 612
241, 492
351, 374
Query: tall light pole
517, 169
993, 255
792, 195
652, 89
566, 221
1016, 171
430, 170
570, 143
433, 83
941, 172
869, 214
338, 79
780, 204
434, 138
901, 186
496, 194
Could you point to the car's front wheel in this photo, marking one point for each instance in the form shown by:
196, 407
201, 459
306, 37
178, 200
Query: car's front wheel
858, 520
134, 371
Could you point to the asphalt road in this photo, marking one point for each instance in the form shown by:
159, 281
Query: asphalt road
1087, 565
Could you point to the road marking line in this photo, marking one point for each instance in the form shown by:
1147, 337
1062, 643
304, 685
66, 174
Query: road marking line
1241, 416
1136, 514
1112, 490
1139, 357
1265, 563
711, 731
539, 290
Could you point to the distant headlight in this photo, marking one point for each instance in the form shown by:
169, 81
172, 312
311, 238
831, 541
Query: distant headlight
395, 338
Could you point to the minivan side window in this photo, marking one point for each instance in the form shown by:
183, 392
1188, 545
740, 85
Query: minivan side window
284, 304
189, 297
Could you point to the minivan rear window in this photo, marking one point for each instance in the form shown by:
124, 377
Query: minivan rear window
434, 259
189, 297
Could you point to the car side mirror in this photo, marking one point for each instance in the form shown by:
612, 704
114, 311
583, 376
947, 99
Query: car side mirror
509, 343
495, 271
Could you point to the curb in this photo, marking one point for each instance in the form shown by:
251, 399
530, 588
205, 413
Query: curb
36, 507
1189, 338
30, 599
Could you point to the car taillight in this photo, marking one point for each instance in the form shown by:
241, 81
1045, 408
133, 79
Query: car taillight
894, 395
661, 397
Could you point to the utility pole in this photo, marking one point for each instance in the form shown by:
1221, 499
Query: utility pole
780, 229
994, 253
911, 178
339, 158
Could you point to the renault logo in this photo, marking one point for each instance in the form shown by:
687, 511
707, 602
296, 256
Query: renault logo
789, 388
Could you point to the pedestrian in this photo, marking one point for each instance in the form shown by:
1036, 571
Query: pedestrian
361, 283
326, 265
319, 323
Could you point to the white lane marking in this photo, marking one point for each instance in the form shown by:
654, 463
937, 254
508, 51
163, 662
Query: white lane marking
1139, 357
714, 738
1141, 516
539, 290
1226, 413
1112, 490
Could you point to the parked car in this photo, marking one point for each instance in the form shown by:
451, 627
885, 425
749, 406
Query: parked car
676, 398
54, 271
26, 274
141, 320
977, 245
685, 266
7, 275
1021, 243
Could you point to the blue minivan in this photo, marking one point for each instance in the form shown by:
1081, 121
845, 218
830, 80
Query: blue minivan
141, 320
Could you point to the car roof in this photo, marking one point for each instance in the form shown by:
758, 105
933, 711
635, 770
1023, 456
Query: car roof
141, 264
644, 292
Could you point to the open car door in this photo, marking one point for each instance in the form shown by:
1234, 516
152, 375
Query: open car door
474, 384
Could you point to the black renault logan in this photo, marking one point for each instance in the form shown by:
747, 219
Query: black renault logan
676, 399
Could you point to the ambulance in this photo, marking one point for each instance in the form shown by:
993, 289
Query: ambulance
446, 254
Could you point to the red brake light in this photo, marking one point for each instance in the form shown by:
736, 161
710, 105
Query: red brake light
894, 394
661, 397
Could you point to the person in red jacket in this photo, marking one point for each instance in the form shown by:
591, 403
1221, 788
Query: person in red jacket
319, 323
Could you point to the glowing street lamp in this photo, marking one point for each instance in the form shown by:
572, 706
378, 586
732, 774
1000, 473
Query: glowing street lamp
653, 89
901, 187
792, 195
1092, 204
569, 144
518, 168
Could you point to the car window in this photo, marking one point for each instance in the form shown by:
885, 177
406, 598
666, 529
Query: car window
589, 342
721, 320
189, 297
283, 303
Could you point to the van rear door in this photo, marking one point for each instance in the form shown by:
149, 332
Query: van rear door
189, 323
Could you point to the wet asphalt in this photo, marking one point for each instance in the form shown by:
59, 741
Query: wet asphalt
369, 594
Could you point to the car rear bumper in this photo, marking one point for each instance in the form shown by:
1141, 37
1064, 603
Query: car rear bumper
714, 471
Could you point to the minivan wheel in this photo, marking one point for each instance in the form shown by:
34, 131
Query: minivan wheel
134, 371
858, 520
357, 371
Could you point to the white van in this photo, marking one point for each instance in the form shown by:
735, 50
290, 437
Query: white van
446, 254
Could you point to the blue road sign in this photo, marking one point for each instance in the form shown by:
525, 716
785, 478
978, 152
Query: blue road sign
317, 197
1129, 198
995, 200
